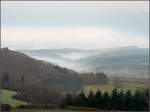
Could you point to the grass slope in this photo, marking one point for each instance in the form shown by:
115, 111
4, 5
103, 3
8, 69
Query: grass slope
6, 98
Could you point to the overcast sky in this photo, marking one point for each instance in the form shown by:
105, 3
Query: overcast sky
78, 24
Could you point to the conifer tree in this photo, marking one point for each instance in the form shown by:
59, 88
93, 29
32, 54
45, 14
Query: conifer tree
98, 99
82, 100
114, 99
128, 101
91, 102
68, 100
120, 100
105, 101
5, 81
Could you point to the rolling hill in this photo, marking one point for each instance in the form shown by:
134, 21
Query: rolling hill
132, 61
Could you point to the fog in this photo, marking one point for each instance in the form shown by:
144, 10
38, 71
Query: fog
75, 56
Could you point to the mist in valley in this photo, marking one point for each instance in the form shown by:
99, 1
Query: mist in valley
130, 61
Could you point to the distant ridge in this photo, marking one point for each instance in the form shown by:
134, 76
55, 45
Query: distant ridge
74, 49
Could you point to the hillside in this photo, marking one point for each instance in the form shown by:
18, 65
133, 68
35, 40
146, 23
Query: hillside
119, 56
19, 66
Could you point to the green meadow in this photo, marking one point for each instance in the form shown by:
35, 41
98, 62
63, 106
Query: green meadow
6, 98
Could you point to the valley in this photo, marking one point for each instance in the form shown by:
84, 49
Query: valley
22, 73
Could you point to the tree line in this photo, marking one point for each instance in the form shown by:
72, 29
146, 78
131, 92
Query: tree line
117, 100
90, 78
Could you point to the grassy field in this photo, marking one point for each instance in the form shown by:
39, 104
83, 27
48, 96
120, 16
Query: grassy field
6, 98
109, 87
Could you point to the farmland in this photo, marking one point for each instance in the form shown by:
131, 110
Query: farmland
109, 87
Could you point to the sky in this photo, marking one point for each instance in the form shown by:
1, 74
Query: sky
74, 24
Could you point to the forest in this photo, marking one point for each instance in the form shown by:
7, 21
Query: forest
117, 100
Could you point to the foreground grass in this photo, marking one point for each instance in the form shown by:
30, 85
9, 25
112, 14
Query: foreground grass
48, 110
109, 87
6, 98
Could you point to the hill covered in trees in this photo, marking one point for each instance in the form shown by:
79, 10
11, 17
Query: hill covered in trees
18, 70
